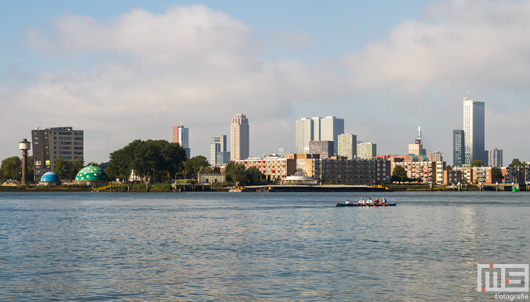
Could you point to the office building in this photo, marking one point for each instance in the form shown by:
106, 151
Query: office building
474, 131
347, 146
239, 138
218, 153
49, 144
459, 144
417, 147
324, 148
366, 150
318, 129
181, 136
435, 156
495, 158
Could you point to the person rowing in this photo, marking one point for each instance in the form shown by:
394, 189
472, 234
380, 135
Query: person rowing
361, 201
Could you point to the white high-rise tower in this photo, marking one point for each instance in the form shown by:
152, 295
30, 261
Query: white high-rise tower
239, 137
474, 131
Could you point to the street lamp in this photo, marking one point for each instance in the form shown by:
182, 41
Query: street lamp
24, 146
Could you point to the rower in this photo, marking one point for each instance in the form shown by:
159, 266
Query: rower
361, 201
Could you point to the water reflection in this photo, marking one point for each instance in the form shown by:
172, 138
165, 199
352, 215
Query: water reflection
190, 247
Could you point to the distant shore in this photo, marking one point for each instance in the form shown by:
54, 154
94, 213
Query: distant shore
165, 187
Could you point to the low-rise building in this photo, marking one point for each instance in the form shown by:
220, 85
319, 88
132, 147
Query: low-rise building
274, 167
211, 178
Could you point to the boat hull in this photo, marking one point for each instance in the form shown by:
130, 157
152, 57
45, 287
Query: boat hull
364, 205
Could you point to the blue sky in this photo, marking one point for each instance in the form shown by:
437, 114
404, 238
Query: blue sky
122, 70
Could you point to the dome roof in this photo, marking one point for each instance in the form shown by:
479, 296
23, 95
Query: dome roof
49, 176
90, 173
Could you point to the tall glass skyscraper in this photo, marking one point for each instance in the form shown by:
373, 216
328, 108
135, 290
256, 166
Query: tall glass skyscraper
318, 129
459, 157
181, 135
239, 137
474, 131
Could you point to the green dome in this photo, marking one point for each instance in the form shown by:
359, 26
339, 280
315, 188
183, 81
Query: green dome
92, 173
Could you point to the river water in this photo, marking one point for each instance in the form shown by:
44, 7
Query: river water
256, 246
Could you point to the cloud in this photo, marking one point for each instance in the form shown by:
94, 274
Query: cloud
200, 66
484, 42
190, 64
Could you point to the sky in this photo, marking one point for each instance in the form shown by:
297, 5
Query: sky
125, 70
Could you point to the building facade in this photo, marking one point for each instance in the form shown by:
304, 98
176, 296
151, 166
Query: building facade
459, 155
324, 148
49, 144
474, 131
239, 138
275, 168
317, 129
350, 171
181, 135
495, 158
218, 153
347, 146
366, 150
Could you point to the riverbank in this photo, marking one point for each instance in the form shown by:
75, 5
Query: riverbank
166, 187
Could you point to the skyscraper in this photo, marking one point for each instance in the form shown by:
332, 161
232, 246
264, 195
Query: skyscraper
181, 136
459, 144
317, 129
417, 147
239, 137
474, 131
218, 154
347, 145
49, 144
495, 158
366, 150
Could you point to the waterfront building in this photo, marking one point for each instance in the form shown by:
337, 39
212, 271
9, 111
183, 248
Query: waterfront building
324, 148
90, 175
318, 129
239, 138
474, 131
347, 146
350, 171
49, 144
211, 178
275, 168
218, 153
495, 158
181, 135
459, 155
366, 150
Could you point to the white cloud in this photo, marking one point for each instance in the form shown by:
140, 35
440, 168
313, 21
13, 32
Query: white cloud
199, 66
460, 41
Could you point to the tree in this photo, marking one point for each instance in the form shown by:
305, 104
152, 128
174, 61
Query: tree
449, 168
477, 163
238, 173
64, 169
496, 174
516, 163
12, 168
152, 158
399, 174
193, 165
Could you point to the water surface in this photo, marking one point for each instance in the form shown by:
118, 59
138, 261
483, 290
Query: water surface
255, 246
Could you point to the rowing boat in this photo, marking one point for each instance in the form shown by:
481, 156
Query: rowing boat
356, 204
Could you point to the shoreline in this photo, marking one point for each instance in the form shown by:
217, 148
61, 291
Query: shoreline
266, 188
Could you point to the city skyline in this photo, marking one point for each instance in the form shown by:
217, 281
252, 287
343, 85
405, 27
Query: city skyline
127, 71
